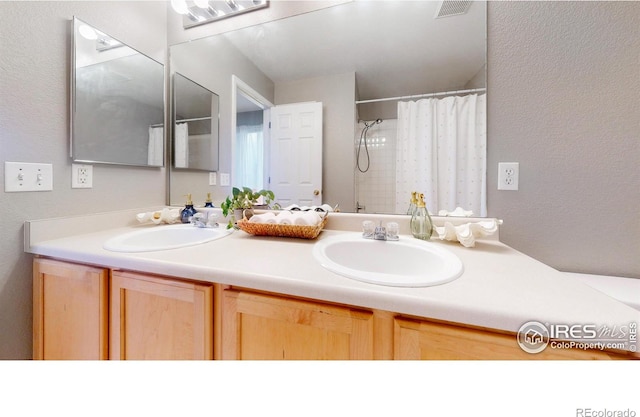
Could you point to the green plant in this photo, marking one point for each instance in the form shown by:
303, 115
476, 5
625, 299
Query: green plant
244, 198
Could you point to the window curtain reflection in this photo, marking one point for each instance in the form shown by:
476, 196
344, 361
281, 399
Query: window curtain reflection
250, 156
441, 152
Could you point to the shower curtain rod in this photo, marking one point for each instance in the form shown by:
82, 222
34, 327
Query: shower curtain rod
195, 119
444, 93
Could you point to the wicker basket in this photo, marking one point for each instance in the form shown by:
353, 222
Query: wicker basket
282, 230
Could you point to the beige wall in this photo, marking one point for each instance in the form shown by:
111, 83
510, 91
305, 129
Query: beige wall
563, 102
35, 56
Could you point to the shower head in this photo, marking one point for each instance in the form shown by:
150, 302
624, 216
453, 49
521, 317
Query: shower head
371, 123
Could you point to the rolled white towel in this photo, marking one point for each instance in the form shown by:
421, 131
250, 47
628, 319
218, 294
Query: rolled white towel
266, 218
144, 217
307, 218
284, 217
170, 216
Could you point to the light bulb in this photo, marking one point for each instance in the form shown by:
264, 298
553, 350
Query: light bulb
180, 6
88, 32
203, 4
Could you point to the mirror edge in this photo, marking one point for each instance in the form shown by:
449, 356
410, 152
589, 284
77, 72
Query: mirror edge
72, 90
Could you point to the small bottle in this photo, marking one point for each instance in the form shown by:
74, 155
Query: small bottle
421, 225
208, 202
412, 204
188, 211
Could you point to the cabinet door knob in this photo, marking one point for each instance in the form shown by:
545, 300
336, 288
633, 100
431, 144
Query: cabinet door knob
316, 192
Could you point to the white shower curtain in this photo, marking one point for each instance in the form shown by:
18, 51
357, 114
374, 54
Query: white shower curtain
155, 152
181, 145
441, 152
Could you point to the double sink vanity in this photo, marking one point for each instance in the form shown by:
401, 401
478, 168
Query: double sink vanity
106, 287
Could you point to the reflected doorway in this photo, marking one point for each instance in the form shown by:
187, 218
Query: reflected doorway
250, 130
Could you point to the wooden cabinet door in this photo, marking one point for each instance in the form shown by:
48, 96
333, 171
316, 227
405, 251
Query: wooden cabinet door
260, 326
159, 318
414, 339
70, 316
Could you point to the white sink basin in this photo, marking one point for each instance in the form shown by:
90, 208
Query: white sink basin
164, 237
408, 262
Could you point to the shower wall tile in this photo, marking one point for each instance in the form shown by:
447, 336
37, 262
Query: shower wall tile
375, 189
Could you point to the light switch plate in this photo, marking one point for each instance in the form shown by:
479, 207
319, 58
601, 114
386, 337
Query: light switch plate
224, 179
212, 178
27, 176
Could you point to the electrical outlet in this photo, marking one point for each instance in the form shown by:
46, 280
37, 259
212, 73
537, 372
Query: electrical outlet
224, 179
212, 178
81, 176
508, 173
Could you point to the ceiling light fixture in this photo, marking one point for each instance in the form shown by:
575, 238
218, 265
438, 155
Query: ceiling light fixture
204, 4
199, 12
181, 7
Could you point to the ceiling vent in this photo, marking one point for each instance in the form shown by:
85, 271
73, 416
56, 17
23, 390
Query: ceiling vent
449, 8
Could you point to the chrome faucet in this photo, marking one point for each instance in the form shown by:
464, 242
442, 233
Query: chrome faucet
380, 232
204, 220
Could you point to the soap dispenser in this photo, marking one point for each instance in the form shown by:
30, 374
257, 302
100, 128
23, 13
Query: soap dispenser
208, 202
188, 211
412, 204
421, 225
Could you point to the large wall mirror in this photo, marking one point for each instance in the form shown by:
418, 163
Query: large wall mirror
361, 59
195, 129
117, 101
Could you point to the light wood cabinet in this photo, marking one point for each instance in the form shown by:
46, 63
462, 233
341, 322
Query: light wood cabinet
261, 326
85, 312
70, 310
159, 318
416, 340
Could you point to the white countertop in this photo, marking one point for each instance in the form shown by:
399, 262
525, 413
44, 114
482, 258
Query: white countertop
500, 288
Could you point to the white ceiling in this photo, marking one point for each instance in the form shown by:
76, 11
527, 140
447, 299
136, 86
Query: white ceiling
394, 47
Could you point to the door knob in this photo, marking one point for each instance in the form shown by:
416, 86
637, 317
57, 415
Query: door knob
316, 192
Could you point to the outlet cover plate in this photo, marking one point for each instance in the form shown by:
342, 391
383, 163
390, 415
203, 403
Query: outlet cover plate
508, 176
81, 176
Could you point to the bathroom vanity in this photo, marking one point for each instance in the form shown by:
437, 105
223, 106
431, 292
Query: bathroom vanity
248, 297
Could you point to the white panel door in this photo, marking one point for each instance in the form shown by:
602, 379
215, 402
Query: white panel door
295, 161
